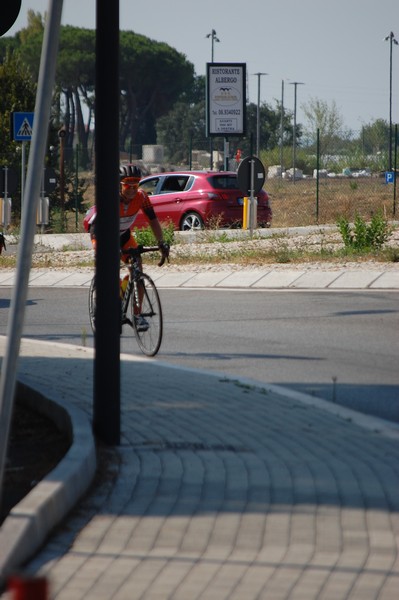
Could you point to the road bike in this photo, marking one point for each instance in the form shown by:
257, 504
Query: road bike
140, 304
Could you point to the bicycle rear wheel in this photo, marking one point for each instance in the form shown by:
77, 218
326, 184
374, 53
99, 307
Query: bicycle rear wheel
92, 303
149, 340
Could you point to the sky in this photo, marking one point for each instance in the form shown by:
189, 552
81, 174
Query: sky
335, 49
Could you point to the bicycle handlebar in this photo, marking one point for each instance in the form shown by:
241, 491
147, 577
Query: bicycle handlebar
142, 250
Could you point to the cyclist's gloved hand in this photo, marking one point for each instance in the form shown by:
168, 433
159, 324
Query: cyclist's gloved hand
165, 249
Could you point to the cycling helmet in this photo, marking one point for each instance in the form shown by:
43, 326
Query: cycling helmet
130, 172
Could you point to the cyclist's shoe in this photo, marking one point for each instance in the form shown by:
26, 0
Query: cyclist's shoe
126, 321
141, 323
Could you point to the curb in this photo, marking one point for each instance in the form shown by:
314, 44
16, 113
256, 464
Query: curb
35, 516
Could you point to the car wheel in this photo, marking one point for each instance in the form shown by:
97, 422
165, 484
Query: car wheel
191, 222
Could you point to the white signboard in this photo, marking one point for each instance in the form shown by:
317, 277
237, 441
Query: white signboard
226, 99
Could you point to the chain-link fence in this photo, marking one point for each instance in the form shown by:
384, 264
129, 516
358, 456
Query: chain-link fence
311, 201
318, 184
331, 180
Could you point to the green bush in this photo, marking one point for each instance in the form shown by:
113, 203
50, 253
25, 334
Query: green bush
57, 221
145, 236
362, 235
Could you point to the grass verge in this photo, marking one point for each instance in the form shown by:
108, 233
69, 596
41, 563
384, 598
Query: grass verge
213, 248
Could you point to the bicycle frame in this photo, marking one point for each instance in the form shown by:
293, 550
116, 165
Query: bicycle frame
134, 275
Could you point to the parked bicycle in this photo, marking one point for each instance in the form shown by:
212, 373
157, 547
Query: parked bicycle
140, 304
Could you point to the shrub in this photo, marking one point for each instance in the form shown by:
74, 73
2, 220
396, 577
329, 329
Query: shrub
362, 235
145, 236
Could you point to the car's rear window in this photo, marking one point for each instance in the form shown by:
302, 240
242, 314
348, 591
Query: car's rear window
223, 182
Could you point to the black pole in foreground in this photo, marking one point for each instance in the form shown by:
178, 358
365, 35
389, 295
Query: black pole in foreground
106, 407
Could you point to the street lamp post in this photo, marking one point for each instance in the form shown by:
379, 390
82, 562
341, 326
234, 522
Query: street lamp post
61, 135
259, 75
282, 127
214, 39
392, 40
295, 84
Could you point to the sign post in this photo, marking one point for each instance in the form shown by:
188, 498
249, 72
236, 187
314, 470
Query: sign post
8, 186
251, 177
20, 290
5, 202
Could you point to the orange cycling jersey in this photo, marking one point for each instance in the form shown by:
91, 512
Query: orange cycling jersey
127, 215
128, 212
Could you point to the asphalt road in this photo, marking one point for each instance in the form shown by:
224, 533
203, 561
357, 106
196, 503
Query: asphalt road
340, 346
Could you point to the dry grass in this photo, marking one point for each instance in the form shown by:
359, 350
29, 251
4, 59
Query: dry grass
296, 204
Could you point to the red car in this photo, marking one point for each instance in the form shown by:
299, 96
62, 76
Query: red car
192, 200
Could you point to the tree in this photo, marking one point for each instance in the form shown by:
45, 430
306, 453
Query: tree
270, 125
184, 125
76, 80
328, 120
17, 95
375, 136
35, 25
180, 129
74, 77
153, 76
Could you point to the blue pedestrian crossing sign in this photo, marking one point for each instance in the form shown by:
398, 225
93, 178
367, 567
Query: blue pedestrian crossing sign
22, 123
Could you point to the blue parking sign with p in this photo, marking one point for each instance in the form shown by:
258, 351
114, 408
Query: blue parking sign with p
22, 126
389, 177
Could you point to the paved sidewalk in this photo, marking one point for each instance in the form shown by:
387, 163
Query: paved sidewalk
221, 489
268, 278
384, 276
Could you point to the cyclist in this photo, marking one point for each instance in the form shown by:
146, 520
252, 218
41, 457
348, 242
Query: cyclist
131, 200
2, 243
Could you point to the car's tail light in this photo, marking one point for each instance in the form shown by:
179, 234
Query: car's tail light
263, 198
221, 196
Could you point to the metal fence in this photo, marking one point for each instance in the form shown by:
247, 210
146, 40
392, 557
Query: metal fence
324, 184
316, 184
314, 196
312, 201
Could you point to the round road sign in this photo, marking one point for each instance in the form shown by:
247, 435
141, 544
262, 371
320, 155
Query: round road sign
251, 176
8, 15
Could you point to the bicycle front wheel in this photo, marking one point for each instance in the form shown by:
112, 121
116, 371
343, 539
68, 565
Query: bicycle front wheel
92, 303
147, 315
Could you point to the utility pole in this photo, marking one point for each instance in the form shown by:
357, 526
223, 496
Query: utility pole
259, 75
295, 84
106, 400
214, 39
392, 40
282, 127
